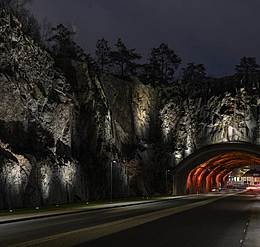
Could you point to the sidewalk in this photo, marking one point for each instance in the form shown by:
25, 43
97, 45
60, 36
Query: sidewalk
36, 215
23, 216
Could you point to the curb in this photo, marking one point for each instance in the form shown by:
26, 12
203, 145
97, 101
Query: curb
21, 217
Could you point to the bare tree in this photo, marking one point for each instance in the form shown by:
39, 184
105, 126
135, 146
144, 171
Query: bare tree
30, 24
46, 32
14, 6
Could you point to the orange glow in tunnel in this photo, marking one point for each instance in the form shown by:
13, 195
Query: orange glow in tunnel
214, 172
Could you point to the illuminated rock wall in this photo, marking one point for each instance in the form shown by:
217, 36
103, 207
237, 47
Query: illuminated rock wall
60, 133
132, 130
38, 122
222, 118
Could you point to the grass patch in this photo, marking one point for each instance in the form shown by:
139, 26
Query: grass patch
74, 206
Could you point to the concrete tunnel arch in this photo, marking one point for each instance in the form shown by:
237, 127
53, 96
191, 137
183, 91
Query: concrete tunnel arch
212, 164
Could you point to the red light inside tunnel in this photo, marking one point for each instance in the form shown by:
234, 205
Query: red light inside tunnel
214, 172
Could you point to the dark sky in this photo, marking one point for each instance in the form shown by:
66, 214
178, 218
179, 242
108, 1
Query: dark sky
216, 33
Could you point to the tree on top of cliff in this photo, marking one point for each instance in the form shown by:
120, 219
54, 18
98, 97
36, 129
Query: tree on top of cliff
247, 65
102, 55
30, 24
193, 77
14, 6
246, 71
163, 63
63, 45
124, 60
193, 73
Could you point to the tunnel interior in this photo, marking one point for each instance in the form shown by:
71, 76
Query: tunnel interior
211, 166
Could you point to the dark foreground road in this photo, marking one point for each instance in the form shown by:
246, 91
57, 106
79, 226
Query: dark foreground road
222, 223
190, 221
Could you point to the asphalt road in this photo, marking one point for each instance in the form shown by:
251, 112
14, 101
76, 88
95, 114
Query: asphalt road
191, 221
222, 223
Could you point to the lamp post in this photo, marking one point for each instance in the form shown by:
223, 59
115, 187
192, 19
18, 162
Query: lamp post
166, 185
111, 179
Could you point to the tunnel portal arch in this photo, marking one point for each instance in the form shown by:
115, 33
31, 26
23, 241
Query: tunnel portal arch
210, 165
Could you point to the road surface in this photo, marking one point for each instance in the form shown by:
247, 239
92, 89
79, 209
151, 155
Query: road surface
221, 223
199, 220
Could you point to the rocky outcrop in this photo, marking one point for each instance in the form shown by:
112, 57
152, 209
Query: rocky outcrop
61, 133
37, 125
224, 117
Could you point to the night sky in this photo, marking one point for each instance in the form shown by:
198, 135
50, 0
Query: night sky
216, 33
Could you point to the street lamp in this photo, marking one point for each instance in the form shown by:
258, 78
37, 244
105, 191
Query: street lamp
111, 179
166, 185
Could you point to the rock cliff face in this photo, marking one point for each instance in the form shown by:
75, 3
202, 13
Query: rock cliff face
60, 133
38, 121
192, 122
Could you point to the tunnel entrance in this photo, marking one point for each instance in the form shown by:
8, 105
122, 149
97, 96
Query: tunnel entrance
210, 166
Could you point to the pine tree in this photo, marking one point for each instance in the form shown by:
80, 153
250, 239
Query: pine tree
124, 60
63, 45
246, 71
247, 65
102, 55
193, 73
163, 62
